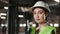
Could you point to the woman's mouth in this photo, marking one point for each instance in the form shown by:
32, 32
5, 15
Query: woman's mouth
38, 19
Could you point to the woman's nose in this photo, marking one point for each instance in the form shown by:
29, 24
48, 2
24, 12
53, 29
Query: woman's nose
37, 15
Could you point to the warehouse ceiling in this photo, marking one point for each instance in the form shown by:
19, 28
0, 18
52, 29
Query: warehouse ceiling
54, 6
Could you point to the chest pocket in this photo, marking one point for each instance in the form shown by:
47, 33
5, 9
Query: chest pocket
47, 30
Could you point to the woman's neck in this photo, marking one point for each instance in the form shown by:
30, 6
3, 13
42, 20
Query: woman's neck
42, 25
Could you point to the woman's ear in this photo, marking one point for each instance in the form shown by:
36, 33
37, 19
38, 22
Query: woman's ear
44, 17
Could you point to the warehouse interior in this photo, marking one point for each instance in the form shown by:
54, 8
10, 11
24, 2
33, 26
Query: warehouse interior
20, 9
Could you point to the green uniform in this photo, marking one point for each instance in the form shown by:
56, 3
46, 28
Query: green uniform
44, 30
32, 30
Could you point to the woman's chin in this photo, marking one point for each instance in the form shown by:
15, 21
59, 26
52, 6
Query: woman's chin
37, 21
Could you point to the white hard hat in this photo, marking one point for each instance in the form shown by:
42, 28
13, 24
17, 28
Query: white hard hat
41, 4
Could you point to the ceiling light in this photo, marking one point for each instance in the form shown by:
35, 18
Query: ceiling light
21, 16
56, 25
24, 8
57, 0
3, 17
51, 24
0, 15
2, 25
6, 25
5, 7
21, 25
24, 25
34, 25
3, 14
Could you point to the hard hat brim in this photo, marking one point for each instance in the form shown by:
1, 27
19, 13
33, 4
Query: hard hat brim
46, 10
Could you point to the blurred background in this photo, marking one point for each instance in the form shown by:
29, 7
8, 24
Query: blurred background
15, 15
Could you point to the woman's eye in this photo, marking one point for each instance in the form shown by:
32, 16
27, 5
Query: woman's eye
40, 12
34, 13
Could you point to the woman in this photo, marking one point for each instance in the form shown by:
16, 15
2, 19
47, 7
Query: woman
40, 14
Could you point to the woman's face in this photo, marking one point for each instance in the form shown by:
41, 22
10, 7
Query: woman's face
38, 15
